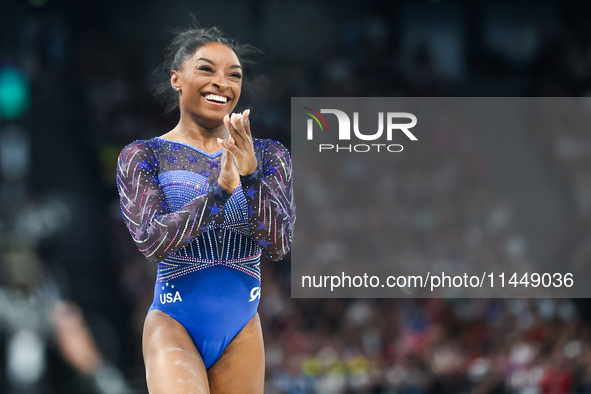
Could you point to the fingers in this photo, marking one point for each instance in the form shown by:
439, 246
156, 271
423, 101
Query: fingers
246, 122
223, 144
239, 142
239, 124
228, 160
228, 124
229, 145
234, 125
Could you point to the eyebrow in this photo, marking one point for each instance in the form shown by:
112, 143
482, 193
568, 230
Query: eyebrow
213, 63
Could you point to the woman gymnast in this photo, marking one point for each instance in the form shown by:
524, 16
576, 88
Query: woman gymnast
204, 201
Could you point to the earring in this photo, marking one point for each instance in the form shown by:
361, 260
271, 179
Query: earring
177, 88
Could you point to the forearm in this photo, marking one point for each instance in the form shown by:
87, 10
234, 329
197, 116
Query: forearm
164, 234
156, 231
271, 210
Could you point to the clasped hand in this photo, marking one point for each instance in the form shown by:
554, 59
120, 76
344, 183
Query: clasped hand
238, 157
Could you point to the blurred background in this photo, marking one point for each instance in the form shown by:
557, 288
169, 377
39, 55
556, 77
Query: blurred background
75, 81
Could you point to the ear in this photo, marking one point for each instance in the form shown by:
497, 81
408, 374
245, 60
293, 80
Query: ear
175, 80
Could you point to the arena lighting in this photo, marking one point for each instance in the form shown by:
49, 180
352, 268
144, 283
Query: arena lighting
14, 93
14, 153
26, 361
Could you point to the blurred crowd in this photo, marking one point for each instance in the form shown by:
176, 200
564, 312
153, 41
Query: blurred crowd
76, 290
426, 346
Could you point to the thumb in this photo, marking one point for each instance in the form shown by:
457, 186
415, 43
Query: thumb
222, 143
225, 144
228, 145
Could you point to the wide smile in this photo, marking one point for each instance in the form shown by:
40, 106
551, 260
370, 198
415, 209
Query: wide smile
216, 99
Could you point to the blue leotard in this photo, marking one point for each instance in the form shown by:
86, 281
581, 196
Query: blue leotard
207, 243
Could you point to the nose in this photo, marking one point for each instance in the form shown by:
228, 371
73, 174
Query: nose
221, 83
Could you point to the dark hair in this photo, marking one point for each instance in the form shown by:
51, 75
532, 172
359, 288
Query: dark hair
182, 47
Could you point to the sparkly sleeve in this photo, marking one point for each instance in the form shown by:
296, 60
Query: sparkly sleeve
270, 201
156, 232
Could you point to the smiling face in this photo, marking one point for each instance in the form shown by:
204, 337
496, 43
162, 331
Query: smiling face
210, 83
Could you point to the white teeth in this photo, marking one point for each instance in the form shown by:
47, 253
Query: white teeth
215, 97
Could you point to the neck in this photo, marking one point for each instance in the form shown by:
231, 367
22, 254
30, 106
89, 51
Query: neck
201, 134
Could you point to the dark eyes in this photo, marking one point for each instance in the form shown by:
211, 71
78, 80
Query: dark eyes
208, 69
